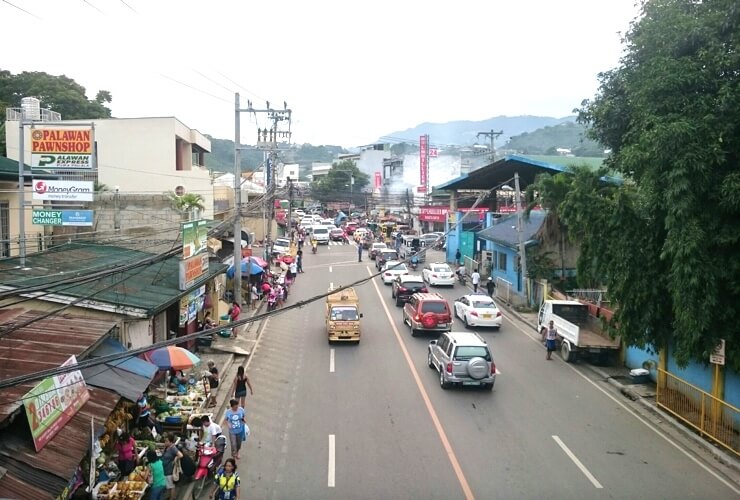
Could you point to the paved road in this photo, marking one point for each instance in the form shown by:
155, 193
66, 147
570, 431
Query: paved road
371, 421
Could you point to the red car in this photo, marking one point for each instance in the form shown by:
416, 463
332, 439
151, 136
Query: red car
350, 228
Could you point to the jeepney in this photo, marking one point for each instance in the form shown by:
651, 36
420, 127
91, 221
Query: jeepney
343, 316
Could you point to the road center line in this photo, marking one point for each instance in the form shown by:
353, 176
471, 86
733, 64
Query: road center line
427, 402
330, 269
332, 461
331, 360
578, 463
534, 337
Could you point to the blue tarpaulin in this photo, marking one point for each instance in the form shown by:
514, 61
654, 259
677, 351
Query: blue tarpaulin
256, 269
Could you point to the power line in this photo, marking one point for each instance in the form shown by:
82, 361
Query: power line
195, 88
127, 5
241, 87
93, 6
23, 10
214, 81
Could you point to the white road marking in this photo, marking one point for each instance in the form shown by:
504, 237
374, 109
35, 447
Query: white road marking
534, 337
332, 461
451, 456
331, 360
330, 269
578, 463
331, 286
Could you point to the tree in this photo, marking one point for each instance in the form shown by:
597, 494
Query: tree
187, 204
667, 241
335, 185
58, 93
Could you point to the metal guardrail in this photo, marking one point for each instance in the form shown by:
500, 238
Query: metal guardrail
710, 416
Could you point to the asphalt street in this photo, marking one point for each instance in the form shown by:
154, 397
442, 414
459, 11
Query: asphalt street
370, 421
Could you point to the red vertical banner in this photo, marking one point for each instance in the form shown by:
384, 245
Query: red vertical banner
423, 162
378, 180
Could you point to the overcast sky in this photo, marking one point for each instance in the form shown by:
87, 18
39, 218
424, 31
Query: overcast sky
352, 71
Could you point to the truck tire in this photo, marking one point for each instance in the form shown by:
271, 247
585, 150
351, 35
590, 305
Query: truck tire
477, 368
567, 352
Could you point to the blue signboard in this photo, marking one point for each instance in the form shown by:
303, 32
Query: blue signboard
77, 217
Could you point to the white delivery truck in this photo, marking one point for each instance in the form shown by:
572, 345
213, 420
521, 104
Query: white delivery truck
578, 331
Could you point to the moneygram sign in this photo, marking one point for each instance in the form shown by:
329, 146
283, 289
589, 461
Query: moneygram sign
62, 190
67, 148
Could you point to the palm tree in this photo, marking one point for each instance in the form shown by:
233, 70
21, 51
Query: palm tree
187, 204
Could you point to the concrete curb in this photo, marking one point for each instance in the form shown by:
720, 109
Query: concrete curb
718, 454
186, 491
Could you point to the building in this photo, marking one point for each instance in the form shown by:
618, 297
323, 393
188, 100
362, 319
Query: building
319, 169
10, 206
132, 156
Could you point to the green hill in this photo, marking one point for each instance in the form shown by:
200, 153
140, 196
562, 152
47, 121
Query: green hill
546, 141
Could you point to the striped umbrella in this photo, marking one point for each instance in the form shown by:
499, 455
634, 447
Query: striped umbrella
173, 358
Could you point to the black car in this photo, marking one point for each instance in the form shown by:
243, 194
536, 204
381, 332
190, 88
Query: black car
405, 286
383, 256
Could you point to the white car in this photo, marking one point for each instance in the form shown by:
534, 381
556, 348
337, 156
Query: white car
328, 223
438, 273
321, 234
392, 269
281, 246
478, 309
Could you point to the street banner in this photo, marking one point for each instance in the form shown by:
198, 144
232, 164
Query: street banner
62, 148
53, 403
433, 214
63, 217
46, 190
194, 238
423, 161
378, 180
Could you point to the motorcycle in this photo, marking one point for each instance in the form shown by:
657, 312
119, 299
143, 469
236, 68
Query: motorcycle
271, 303
414, 262
207, 461
314, 247
460, 277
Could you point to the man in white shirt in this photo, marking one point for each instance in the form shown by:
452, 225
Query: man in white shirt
475, 278
211, 430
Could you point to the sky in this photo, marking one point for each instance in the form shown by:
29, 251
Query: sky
351, 71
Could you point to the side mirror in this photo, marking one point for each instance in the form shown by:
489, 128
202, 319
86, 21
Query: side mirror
361, 315
432, 342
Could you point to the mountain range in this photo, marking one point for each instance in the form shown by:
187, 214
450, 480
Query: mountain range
463, 132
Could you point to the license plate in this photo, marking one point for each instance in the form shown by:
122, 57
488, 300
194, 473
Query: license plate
486, 316
471, 383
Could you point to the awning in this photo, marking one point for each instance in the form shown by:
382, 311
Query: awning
127, 377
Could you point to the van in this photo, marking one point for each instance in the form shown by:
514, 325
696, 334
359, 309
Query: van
343, 316
321, 234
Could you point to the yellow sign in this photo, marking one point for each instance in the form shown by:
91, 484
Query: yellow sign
62, 148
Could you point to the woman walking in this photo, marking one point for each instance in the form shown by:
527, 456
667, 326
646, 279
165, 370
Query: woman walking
242, 382
227, 481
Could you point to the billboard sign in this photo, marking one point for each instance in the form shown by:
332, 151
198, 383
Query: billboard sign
192, 269
63, 217
62, 148
433, 214
423, 161
378, 180
53, 403
45, 190
194, 238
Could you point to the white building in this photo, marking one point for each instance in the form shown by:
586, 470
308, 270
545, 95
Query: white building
141, 155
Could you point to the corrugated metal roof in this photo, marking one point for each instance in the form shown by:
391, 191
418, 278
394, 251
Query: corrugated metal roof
152, 288
505, 233
12, 487
53, 467
44, 344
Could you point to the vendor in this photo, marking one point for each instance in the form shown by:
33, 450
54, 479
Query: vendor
179, 381
126, 448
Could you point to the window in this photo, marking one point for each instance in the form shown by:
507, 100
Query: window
464, 353
4, 229
344, 314
502, 261
495, 260
433, 307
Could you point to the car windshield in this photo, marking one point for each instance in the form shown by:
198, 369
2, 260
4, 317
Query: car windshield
282, 242
441, 269
412, 280
344, 314
429, 306
379, 245
320, 230
397, 266
464, 353
483, 304
389, 255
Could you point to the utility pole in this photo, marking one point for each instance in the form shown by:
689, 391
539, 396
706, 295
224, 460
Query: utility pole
290, 208
491, 135
237, 208
22, 189
520, 230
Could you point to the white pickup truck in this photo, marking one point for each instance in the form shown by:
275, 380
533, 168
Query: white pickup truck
578, 331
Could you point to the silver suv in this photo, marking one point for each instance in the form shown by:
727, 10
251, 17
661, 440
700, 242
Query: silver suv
462, 358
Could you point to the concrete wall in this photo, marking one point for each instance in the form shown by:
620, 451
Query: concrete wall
32, 232
137, 334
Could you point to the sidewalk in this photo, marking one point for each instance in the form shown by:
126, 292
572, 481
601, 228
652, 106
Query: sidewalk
227, 354
619, 377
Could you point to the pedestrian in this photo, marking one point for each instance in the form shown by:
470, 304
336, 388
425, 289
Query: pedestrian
359, 253
458, 256
227, 482
491, 286
144, 411
234, 311
300, 240
299, 261
241, 383
234, 420
126, 448
475, 279
169, 456
254, 295
213, 381
551, 336
211, 433
293, 270
155, 476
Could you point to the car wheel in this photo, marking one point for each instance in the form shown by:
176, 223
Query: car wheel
398, 302
465, 322
393, 293
478, 368
442, 382
413, 331
430, 363
488, 387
